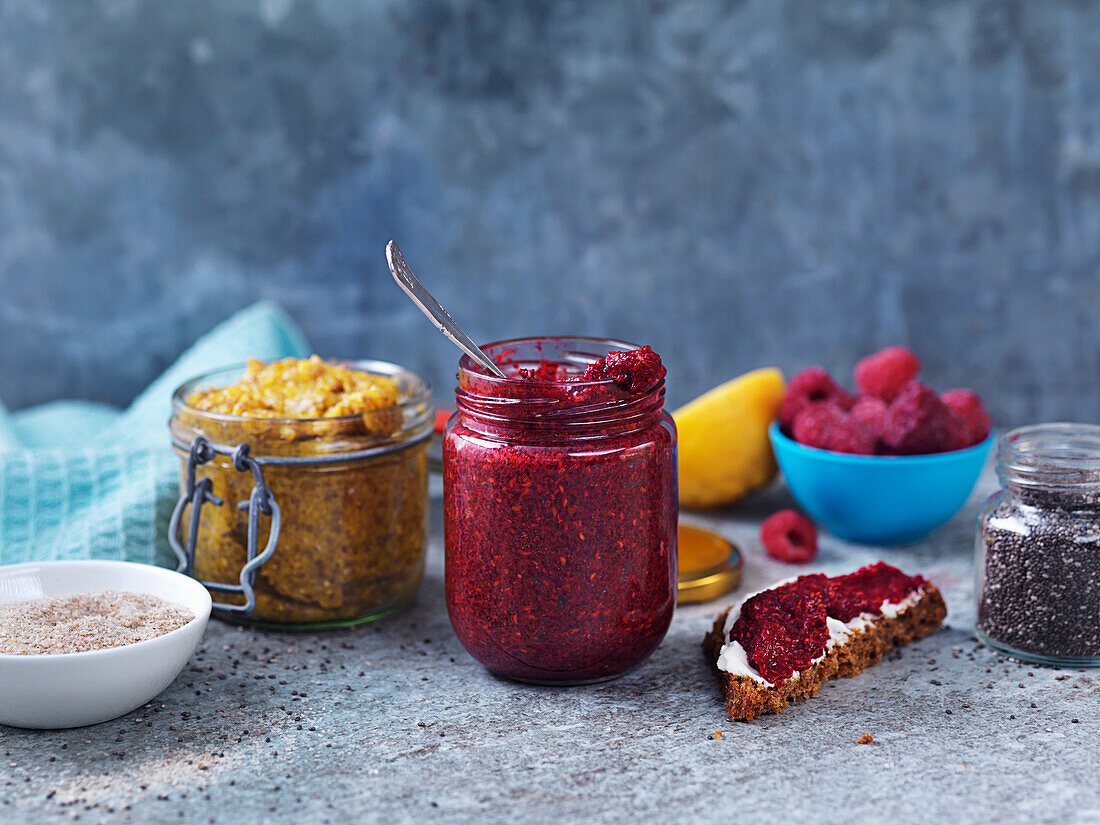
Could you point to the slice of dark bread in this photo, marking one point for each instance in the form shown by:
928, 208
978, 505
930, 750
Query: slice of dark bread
747, 698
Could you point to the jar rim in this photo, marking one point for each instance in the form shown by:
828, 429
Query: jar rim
1061, 456
467, 365
422, 394
509, 401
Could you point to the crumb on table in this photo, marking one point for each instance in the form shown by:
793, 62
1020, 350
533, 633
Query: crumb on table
866, 739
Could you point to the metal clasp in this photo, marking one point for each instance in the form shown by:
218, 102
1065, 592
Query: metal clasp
261, 501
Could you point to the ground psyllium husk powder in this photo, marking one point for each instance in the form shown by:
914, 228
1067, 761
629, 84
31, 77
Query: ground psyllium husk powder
79, 622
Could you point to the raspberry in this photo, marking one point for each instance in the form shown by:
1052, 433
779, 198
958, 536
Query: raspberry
884, 373
917, 422
967, 405
789, 536
870, 412
441, 418
958, 434
828, 427
811, 386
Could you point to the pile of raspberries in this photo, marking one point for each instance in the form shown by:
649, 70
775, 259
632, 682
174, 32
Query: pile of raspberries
894, 414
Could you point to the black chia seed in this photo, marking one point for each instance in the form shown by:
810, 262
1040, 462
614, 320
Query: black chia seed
1040, 588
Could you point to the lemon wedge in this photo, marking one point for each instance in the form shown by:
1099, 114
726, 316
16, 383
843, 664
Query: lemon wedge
724, 451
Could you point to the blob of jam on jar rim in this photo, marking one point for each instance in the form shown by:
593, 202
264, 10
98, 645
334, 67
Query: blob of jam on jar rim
634, 370
560, 510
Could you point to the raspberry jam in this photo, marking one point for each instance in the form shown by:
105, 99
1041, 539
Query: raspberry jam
560, 510
784, 629
633, 370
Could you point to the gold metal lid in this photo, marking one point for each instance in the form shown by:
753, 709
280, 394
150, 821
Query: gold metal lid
710, 566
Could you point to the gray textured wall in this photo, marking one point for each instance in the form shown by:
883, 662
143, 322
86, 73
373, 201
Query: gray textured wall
737, 183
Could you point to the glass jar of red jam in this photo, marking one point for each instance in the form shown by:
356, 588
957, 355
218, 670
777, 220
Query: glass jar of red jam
560, 510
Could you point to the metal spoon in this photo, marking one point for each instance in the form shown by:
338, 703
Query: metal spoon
412, 287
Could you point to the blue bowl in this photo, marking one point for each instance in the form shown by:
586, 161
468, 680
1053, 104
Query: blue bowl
873, 499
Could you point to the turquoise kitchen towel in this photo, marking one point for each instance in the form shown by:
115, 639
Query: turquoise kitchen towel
81, 480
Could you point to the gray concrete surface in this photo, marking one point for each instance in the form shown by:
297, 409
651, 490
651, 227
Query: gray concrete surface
736, 182
394, 723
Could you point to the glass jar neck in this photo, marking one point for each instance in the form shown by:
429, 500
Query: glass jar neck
1052, 464
552, 419
538, 409
299, 437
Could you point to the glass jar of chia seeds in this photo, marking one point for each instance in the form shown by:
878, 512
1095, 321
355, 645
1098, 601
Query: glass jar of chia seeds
560, 513
1038, 547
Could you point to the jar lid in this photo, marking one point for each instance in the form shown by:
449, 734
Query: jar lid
710, 566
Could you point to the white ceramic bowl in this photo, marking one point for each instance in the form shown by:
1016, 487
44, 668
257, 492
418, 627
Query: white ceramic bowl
69, 690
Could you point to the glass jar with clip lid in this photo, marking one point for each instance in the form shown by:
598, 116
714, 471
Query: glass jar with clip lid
303, 521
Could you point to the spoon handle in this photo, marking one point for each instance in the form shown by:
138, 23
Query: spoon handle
412, 287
